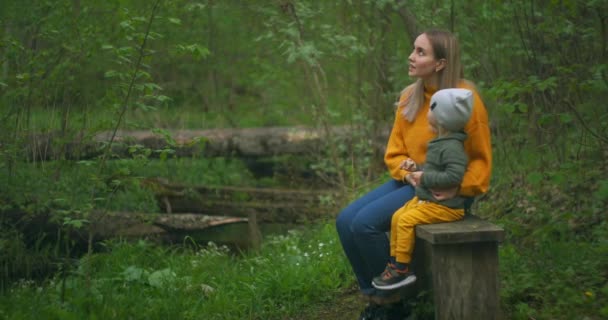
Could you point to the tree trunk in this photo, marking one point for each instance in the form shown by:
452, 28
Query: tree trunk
409, 20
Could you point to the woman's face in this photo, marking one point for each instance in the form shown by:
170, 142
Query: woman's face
422, 60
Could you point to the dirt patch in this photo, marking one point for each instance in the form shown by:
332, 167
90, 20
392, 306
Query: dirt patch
347, 305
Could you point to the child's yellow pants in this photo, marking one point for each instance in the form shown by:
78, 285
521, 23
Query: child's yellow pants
413, 213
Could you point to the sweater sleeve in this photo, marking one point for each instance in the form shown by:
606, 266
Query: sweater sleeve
479, 150
396, 150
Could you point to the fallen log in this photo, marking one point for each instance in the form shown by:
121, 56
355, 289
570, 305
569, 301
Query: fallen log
270, 204
172, 228
211, 207
127, 225
133, 224
239, 142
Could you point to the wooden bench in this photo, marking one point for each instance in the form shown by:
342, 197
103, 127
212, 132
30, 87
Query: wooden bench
458, 263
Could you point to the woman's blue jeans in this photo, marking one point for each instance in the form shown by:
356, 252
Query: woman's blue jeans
362, 228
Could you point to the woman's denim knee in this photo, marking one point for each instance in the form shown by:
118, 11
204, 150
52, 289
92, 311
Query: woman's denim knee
343, 222
362, 227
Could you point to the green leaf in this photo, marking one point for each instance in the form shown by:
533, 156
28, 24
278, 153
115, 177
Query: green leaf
522, 107
166, 134
195, 6
161, 278
175, 21
152, 86
162, 98
23, 76
111, 73
126, 25
133, 273
544, 119
565, 118
76, 223
196, 50
509, 107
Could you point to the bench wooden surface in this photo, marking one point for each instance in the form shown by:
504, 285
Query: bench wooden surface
458, 263
470, 229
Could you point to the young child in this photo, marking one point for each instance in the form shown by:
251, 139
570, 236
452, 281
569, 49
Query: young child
446, 162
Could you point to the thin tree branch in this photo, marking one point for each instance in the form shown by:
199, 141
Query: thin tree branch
570, 106
125, 105
124, 109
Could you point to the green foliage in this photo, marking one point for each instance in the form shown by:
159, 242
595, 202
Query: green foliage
143, 281
553, 212
214, 171
554, 280
63, 193
38, 190
21, 259
548, 199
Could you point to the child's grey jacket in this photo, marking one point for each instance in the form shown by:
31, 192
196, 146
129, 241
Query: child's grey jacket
446, 163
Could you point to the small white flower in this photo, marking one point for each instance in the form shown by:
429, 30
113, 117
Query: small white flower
207, 289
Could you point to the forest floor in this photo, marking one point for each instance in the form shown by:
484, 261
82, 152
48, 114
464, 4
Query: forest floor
346, 305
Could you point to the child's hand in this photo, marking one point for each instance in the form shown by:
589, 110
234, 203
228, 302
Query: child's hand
409, 165
445, 194
414, 178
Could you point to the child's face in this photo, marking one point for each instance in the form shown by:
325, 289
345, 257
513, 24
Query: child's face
432, 121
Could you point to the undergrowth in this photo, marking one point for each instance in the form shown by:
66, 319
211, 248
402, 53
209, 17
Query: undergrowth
554, 259
144, 281
38, 188
555, 280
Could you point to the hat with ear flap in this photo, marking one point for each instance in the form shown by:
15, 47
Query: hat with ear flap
452, 108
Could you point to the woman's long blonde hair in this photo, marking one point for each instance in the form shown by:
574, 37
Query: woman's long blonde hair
445, 46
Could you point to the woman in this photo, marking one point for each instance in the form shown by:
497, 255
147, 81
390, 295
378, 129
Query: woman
361, 226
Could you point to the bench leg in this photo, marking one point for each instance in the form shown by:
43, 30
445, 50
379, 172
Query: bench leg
465, 281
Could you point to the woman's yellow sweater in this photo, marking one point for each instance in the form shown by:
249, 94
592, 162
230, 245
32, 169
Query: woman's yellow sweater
410, 139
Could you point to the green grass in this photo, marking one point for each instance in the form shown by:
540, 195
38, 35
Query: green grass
144, 281
553, 280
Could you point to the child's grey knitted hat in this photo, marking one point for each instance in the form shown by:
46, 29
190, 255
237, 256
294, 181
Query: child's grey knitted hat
452, 108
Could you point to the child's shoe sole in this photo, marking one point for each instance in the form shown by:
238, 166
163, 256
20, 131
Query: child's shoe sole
405, 282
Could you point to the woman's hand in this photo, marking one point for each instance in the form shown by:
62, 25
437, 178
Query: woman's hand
445, 194
409, 165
